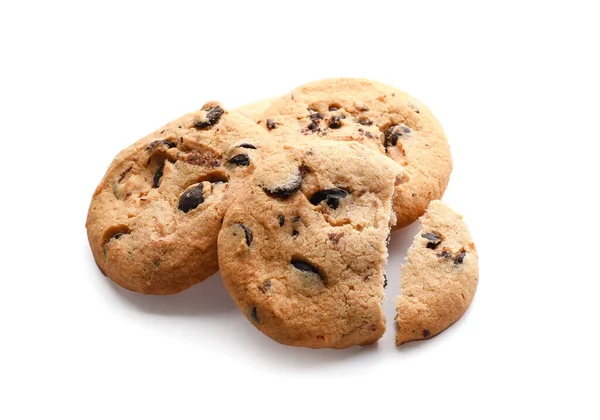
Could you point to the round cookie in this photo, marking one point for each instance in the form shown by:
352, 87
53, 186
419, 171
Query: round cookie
254, 110
302, 251
439, 278
378, 116
154, 219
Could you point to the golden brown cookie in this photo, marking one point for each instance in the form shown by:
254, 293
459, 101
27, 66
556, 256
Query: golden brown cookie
303, 250
154, 219
378, 116
439, 278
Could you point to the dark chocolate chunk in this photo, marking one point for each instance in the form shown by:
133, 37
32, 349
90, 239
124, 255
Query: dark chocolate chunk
240, 160
366, 121
191, 198
281, 219
334, 108
313, 126
335, 121
315, 115
157, 143
158, 175
294, 233
287, 189
384, 281
332, 195
247, 146
271, 124
393, 133
254, 315
426, 333
434, 240
247, 232
212, 117
460, 257
444, 254
306, 267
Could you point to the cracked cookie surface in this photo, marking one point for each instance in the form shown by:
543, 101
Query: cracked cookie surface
302, 251
378, 116
439, 278
154, 219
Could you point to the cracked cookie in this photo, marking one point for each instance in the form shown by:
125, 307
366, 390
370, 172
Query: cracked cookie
439, 278
378, 116
154, 219
302, 250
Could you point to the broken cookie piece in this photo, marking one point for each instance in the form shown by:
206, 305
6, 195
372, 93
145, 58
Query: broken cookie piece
439, 278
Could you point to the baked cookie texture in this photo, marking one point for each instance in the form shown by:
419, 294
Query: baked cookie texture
254, 110
377, 116
302, 251
154, 219
439, 278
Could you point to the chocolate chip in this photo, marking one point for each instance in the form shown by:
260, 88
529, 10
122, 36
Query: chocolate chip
287, 189
335, 122
254, 315
426, 333
158, 175
297, 219
434, 240
313, 126
332, 195
306, 267
271, 124
315, 115
444, 254
294, 233
460, 257
212, 117
240, 160
333, 108
247, 233
157, 143
191, 198
365, 122
384, 281
393, 133
247, 146
281, 219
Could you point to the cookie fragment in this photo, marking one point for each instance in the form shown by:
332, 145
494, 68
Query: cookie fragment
437, 287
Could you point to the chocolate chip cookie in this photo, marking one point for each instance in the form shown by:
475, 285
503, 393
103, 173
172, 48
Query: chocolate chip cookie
439, 278
378, 116
154, 219
302, 250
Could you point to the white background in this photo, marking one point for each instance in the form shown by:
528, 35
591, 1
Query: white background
517, 89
